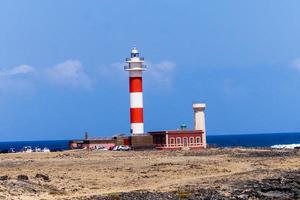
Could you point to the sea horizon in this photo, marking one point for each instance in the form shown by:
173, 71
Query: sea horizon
210, 135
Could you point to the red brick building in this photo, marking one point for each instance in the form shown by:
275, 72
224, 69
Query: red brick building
178, 139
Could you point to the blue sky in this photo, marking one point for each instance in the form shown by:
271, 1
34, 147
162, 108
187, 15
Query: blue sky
61, 66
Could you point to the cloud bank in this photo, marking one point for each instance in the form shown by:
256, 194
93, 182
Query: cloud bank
161, 73
71, 74
68, 74
157, 74
113, 72
22, 69
16, 80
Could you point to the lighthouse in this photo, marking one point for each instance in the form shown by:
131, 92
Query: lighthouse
199, 119
135, 67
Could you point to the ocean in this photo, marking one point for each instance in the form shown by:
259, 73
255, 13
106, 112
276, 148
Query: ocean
254, 140
245, 140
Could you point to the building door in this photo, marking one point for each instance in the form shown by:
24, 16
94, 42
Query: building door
185, 141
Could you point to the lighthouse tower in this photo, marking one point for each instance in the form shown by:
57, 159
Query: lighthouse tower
199, 119
135, 68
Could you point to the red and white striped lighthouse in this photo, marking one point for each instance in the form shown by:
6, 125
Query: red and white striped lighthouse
135, 68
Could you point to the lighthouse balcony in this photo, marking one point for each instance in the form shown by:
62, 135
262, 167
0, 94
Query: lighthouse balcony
135, 59
133, 68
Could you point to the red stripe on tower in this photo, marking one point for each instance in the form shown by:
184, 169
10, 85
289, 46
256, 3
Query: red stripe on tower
136, 84
135, 68
136, 115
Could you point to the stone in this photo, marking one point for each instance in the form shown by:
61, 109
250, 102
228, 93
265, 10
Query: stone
3, 178
44, 177
22, 177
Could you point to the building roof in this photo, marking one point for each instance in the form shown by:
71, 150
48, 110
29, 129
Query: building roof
99, 138
176, 132
77, 141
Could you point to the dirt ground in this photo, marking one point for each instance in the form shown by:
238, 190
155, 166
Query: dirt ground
82, 174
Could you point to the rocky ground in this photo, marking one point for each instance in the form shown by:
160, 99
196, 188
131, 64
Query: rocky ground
207, 174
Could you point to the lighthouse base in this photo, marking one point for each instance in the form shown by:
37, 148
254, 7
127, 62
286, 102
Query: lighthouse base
141, 141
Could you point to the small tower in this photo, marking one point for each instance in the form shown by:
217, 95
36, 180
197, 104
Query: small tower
199, 120
135, 68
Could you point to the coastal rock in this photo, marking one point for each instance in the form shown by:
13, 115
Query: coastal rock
201, 194
4, 178
44, 177
22, 178
266, 153
285, 186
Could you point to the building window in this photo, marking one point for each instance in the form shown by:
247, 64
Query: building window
191, 140
185, 141
178, 141
198, 140
172, 141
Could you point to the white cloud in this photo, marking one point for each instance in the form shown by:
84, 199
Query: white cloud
296, 64
22, 69
161, 73
114, 71
70, 73
13, 80
157, 74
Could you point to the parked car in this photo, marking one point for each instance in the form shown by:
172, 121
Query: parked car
37, 149
124, 148
46, 150
12, 150
102, 148
26, 149
115, 148
121, 148
111, 148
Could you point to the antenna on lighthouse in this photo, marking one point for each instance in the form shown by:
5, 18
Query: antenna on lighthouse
135, 67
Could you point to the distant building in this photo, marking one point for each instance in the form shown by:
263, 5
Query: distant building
99, 143
178, 139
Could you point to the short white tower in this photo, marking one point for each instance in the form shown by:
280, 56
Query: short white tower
199, 120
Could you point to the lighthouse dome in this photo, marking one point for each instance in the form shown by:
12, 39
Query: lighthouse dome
134, 50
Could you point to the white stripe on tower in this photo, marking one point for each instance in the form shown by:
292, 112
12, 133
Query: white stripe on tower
135, 69
136, 100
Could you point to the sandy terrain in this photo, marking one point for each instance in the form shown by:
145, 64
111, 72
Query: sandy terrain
87, 174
